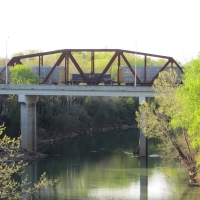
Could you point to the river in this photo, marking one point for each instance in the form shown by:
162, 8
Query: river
103, 167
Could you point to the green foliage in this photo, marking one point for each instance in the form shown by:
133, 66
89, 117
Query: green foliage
101, 110
70, 114
21, 74
189, 95
11, 163
58, 114
49, 60
126, 108
105, 111
157, 119
154, 117
12, 119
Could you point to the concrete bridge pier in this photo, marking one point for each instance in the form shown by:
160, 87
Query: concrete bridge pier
143, 140
28, 121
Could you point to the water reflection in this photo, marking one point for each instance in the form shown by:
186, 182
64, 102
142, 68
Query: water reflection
103, 167
143, 178
130, 192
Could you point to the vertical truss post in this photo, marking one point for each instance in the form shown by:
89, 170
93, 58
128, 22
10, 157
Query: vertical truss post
119, 63
66, 69
145, 70
40, 63
92, 65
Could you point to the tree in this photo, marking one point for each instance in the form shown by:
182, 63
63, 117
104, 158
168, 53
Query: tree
21, 74
189, 94
160, 119
11, 163
11, 160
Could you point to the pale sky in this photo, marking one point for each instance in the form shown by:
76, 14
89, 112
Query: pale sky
164, 27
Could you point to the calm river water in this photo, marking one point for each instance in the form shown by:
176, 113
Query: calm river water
102, 167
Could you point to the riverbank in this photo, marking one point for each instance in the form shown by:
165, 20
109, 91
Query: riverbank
25, 155
43, 136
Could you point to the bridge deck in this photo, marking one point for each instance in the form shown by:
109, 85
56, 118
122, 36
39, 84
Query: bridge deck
66, 90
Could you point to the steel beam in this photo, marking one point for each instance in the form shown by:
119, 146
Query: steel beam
145, 70
68, 53
119, 63
77, 66
106, 68
60, 59
129, 65
167, 63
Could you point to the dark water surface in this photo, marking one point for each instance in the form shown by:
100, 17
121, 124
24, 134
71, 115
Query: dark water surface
102, 167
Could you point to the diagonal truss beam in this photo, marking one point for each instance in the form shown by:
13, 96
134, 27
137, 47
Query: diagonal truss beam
129, 65
60, 59
118, 53
77, 66
107, 67
12, 62
166, 64
177, 65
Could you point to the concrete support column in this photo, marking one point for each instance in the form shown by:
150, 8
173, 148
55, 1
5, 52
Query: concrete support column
28, 121
143, 139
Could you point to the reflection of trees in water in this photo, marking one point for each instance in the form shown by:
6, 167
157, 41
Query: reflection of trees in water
90, 165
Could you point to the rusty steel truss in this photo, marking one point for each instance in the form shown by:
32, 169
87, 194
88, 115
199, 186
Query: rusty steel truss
67, 54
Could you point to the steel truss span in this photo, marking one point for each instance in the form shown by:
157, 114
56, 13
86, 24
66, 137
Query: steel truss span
124, 74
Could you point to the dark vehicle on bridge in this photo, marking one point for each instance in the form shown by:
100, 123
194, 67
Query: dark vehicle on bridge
106, 79
58, 76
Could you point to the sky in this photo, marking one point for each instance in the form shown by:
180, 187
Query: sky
163, 27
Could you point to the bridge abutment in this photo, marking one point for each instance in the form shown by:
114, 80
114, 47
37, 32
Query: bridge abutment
143, 139
28, 121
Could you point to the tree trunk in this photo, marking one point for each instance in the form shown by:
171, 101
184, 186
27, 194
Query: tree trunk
189, 163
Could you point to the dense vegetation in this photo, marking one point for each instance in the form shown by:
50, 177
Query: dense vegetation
173, 117
12, 165
59, 114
